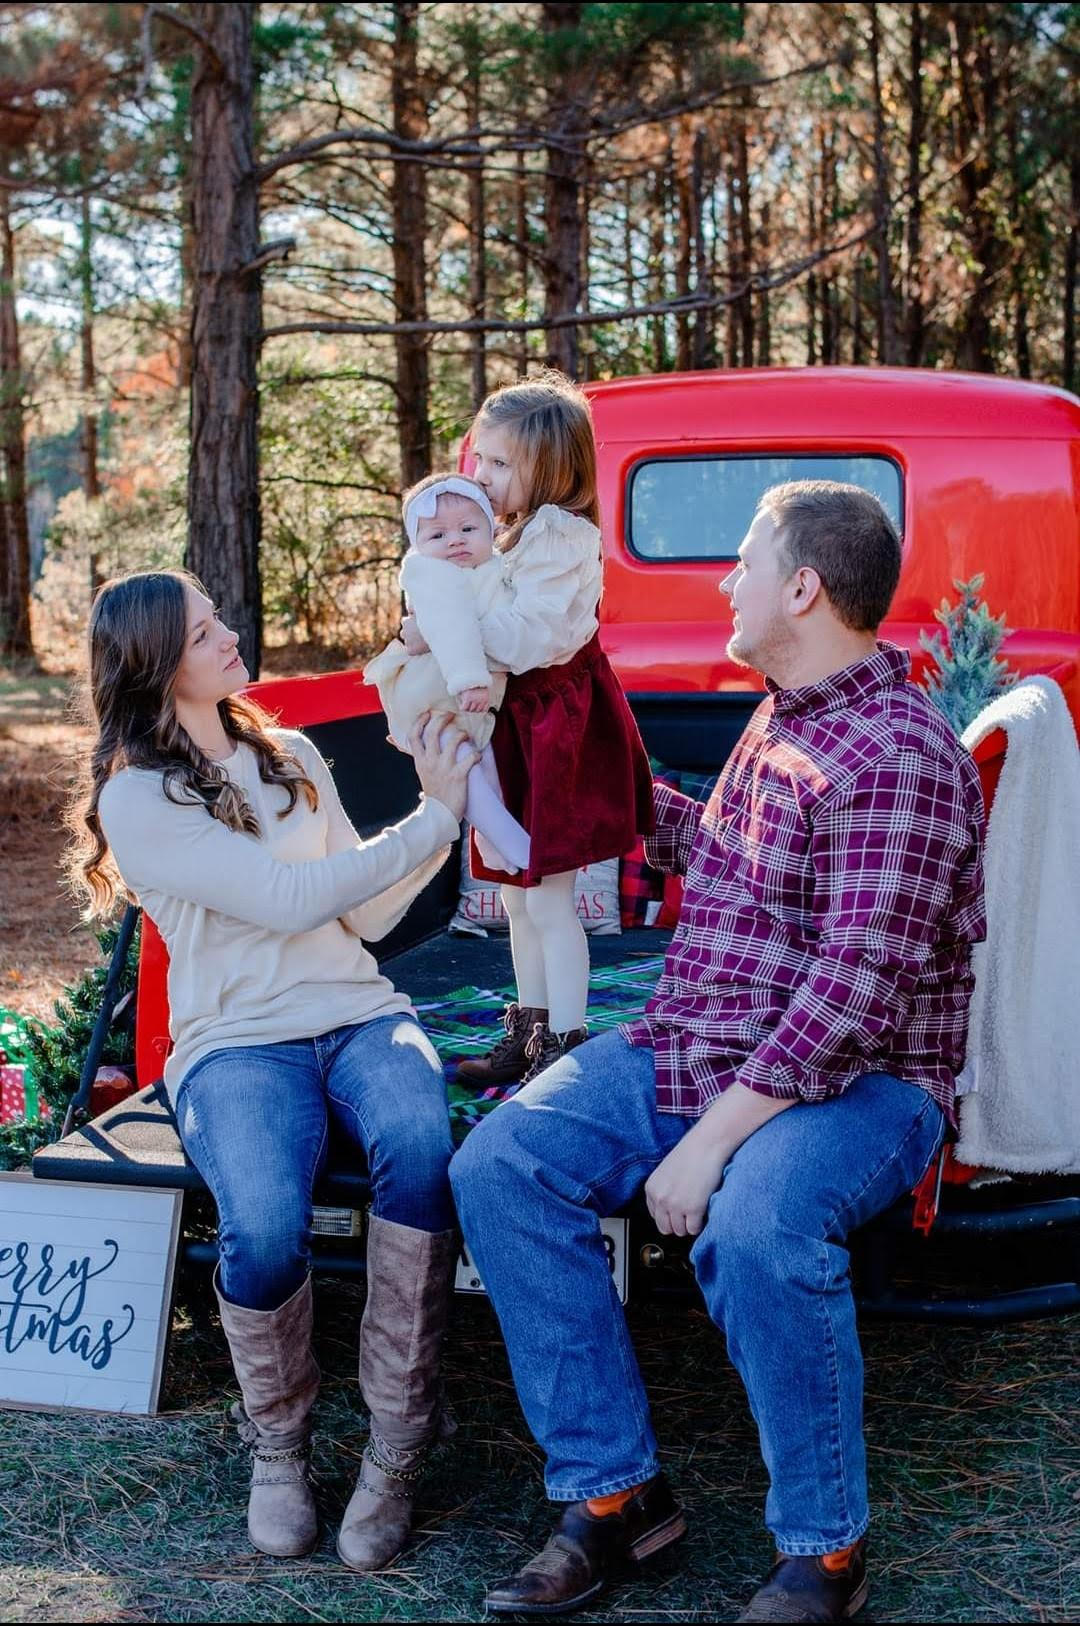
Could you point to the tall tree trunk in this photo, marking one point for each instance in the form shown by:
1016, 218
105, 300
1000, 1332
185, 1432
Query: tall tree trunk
521, 210
629, 274
91, 482
731, 233
1021, 337
1069, 375
746, 239
657, 267
764, 352
812, 277
915, 312
585, 344
830, 323
705, 321
224, 521
684, 246
409, 213
975, 139
888, 341
477, 247
858, 354
88, 374
568, 100
15, 636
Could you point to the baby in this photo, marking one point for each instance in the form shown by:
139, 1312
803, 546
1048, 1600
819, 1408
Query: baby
451, 575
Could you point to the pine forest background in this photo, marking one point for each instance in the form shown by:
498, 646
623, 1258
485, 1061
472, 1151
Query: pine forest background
258, 264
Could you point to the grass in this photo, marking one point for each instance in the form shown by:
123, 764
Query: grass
972, 1438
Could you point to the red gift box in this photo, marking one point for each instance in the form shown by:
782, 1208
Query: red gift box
12, 1093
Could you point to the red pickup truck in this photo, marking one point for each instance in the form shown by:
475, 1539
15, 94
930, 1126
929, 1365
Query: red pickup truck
980, 474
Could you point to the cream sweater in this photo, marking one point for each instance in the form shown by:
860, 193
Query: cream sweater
257, 949
555, 574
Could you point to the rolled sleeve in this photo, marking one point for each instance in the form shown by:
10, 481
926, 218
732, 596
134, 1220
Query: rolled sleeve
678, 824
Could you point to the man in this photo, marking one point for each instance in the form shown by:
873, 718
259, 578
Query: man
793, 1075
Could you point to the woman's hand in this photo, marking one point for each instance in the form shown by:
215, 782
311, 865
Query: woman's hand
478, 699
440, 768
413, 638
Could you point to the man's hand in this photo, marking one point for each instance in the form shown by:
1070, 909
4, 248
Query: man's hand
413, 638
478, 699
679, 1188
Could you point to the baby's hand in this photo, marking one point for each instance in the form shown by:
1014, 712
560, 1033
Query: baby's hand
412, 637
478, 699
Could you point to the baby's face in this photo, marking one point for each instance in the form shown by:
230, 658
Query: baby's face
458, 531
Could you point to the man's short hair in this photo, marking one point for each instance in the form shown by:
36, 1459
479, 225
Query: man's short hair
844, 534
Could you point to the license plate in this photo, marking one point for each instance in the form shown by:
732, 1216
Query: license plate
614, 1234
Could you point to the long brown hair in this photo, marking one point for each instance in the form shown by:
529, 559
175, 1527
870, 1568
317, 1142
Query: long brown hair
549, 420
136, 638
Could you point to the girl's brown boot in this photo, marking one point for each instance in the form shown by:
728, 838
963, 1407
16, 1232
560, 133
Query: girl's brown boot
506, 1060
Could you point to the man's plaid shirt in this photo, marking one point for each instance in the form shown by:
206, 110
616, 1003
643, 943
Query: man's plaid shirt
833, 894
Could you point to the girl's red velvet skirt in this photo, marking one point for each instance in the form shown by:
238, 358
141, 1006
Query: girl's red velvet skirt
572, 767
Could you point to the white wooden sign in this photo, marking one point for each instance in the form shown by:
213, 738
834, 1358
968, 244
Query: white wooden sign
86, 1276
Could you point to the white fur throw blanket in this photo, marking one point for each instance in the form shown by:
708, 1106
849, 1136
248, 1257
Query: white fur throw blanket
1020, 1110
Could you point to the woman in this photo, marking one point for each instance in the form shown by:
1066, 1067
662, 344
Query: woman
230, 833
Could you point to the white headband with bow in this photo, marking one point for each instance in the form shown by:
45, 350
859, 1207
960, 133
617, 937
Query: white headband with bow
422, 506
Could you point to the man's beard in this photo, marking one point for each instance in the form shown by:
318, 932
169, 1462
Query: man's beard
765, 652
738, 652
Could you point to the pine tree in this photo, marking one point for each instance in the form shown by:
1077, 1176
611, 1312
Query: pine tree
54, 1054
969, 671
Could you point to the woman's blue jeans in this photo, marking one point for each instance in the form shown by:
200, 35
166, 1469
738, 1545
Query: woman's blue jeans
531, 1184
255, 1121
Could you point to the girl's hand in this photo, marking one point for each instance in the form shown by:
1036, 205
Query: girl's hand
441, 770
478, 699
413, 638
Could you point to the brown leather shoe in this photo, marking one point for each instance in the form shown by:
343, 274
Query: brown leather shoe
802, 1589
506, 1060
545, 1047
587, 1550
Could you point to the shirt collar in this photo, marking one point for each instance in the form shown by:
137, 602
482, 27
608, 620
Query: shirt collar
886, 667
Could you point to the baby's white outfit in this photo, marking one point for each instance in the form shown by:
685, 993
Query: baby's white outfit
448, 602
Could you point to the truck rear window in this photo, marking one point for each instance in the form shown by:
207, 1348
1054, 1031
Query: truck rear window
701, 507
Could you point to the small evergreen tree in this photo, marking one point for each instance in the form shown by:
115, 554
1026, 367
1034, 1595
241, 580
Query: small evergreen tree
969, 671
54, 1054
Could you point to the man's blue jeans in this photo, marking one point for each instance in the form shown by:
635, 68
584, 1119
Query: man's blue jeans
531, 1183
255, 1119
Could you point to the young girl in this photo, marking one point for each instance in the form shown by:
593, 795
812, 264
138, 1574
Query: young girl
571, 763
450, 576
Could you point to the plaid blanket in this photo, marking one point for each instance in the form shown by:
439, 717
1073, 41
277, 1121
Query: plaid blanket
467, 1022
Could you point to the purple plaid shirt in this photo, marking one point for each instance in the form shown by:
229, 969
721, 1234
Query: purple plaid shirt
833, 893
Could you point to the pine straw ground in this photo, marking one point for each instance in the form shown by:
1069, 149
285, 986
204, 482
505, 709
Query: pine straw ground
973, 1457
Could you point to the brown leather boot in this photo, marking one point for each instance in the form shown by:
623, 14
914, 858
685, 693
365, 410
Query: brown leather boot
807, 1589
275, 1367
544, 1047
506, 1060
587, 1550
410, 1277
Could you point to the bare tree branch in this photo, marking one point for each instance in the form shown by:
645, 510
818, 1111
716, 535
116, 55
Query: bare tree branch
758, 283
477, 143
